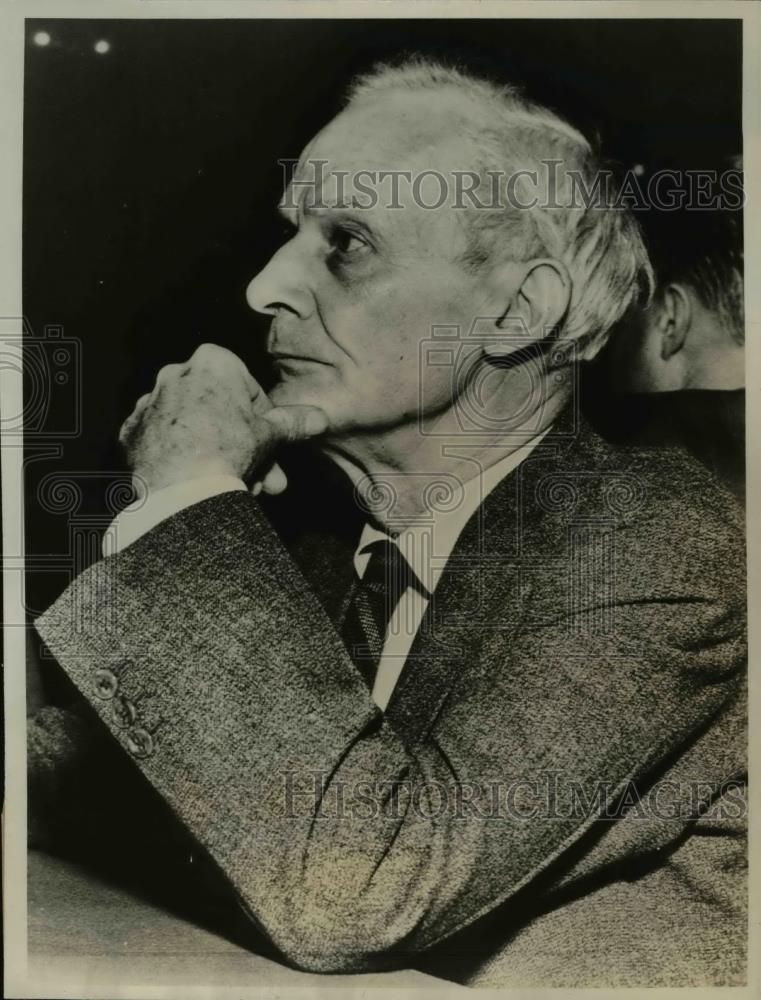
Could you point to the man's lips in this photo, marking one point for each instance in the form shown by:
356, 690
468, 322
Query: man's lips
286, 356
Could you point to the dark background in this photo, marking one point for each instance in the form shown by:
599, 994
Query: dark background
150, 180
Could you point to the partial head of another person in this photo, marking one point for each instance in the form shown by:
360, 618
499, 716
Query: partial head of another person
692, 334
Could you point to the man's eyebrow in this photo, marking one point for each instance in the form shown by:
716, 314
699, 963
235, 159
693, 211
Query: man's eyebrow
347, 204
287, 207
351, 210
360, 217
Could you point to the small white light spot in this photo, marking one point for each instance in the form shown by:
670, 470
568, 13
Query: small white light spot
102, 47
638, 169
41, 38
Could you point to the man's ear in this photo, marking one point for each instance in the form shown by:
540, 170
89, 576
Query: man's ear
539, 300
674, 319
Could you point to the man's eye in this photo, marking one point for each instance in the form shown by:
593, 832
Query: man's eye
345, 241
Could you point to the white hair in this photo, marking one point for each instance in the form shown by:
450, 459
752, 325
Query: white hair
601, 246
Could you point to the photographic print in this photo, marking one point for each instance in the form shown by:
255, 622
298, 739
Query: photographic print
383, 453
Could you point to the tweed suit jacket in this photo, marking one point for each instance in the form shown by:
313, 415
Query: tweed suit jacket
554, 794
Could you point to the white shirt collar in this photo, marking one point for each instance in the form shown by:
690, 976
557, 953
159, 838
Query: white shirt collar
428, 544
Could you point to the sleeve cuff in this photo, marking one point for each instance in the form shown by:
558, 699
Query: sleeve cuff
145, 513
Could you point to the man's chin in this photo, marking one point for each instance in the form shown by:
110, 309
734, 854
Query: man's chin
293, 392
342, 412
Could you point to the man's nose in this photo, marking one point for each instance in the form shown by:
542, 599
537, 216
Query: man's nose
279, 285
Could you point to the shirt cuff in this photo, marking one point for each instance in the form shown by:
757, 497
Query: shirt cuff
142, 515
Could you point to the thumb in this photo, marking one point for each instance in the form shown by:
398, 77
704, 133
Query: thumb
296, 423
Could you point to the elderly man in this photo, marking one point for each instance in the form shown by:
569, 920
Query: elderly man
498, 735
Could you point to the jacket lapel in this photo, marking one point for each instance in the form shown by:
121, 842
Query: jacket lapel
485, 587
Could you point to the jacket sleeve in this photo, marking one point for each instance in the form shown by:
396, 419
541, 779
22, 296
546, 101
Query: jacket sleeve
207, 656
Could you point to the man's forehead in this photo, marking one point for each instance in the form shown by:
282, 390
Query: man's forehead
378, 155
398, 133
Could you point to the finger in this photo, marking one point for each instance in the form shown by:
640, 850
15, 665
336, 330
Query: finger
216, 357
220, 360
275, 481
169, 373
296, 423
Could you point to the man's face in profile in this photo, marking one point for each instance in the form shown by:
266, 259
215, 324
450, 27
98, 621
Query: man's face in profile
356, 290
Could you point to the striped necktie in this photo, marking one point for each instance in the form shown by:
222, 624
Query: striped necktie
372, 602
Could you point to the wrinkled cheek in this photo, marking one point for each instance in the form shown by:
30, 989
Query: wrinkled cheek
385, 333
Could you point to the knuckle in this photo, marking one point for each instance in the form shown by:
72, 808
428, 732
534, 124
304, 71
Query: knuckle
214, 356
167, 373
206, 353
